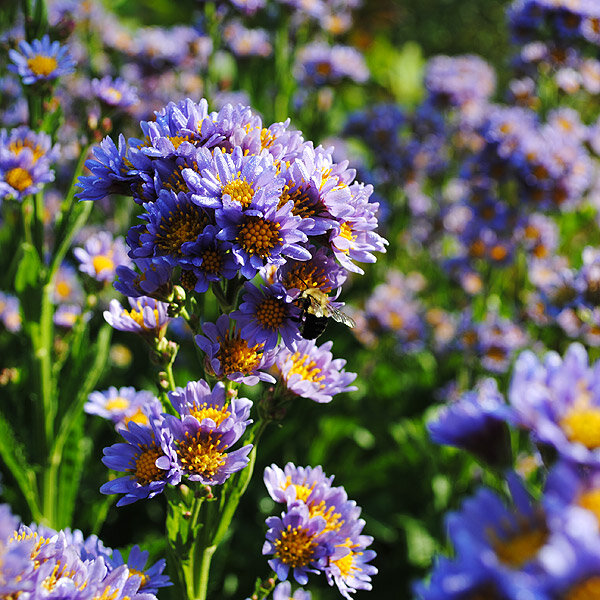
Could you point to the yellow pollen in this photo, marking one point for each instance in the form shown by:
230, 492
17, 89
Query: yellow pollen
302, 491
581, 424
42, 65
102, 263
257, 236
212, 261
177, 140
202, 454
137, 417
346, 232
266, 138
396, 321
18, 178
114, 94
138, 316
498, 252
304, 205
118, 403
108, 594
346, 563
588, 589
18, 146
184, 225
204, 411
235, 356
520, 547
295, 547
305, 275
333, 520
270, 313
306, 368
146, 471
63, 289
144, 578
591, 501
240, 191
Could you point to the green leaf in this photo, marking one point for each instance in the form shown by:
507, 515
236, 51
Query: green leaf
13, 456
27, 282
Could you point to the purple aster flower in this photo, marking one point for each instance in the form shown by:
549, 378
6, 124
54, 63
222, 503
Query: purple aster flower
202, 444
310, 371
112, 172
207, 260
147, 456
459, 79
67, 315
294, 483
262, 235
265, 314
499, 339
123, 405
66, 287
147, 316
154, 279
247, 42
171, 222
477, 423
235, 180
101, 255
41, 60
22, 174
211, 408
10, 312
151, 578
230, 355
23, 139
296, 542
116, 93
559, 401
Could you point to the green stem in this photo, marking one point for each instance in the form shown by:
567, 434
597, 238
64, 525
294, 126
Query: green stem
38, 224
171, 378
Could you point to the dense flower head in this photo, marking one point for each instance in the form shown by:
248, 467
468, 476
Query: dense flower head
101, 255
147, 457
310, 371
42, 60
231, 356
459, 79
320, 530
40, 562
208, 426
123, 405
114, 92
147, 316
557, 399
319, 64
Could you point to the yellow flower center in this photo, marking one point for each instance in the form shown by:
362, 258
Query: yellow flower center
146, 471
235, 356
101, 262
138, 417
18, 146
521, 547
302, 491
202, 454
304, 205
295, 547
206, 411
346, 563
585, 590
177, 140
590, 500
346, 232
270, 313
138, 316
144, 578
18, 178
109, 594
212, 261
42, 65
306, 368
114, 95
305, 275
188, 280
581, 424
257, 236
63, 289
183, 225
333, 519
240, 191
498, 252
118, 403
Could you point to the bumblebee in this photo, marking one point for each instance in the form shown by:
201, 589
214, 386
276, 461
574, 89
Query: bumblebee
316, 312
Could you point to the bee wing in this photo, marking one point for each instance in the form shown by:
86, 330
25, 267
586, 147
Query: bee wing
341, 317
316, 308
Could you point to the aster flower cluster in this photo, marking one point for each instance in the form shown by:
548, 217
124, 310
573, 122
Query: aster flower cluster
318, 532
25, 162
39, 561
163, 449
